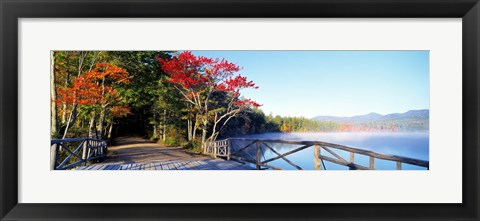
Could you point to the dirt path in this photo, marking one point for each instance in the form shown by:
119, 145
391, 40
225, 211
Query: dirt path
138, 150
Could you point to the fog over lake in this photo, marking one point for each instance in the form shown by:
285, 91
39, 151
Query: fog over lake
407, 144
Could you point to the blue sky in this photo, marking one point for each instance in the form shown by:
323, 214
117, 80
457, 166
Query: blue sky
337, 83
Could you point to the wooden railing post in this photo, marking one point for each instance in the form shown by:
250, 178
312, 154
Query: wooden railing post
317, 163
85, 151
259, 155
214, 149
399, 165
103, 149
372, 163
352, 161
53, 156
228, 149
91, 152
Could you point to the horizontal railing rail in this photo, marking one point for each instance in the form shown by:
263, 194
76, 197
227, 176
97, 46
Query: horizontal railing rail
245, 153
72, 152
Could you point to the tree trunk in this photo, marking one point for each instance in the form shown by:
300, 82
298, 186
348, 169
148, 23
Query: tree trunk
214, 129
164, 125
204, 131
100, 123
155, 131
64, 113
71, 120
101, 119
109, 136
195, 127
91, 128
53, 96
64, 105
105, 130
189, 129
217, 121
155, 123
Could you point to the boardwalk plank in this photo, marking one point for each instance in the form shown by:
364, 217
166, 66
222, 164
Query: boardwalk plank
124, 167
134, 166
196, 165
102, 167
181, 165
149, 166
163, 165
81, 168
187, 165
115, 167
171, 165
158, 166
166, 165
207, 164
190, 165
178, 165
96, 167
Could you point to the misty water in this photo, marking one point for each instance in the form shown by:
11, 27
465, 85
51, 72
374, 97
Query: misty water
413, 145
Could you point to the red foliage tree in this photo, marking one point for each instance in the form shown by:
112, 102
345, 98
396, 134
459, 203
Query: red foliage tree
96, 87
120, 111
197, 78
90, 88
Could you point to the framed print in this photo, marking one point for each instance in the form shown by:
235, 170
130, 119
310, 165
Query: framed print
278, 109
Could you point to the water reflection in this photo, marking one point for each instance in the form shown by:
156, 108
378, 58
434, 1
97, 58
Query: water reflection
413, 145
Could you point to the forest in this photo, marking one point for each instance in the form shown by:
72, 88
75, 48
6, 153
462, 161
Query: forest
171, 97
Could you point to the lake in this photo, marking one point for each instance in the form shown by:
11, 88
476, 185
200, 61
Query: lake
408, 144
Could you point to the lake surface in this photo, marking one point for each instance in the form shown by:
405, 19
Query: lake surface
413, 145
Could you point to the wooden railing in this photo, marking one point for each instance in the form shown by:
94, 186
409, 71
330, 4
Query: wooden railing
220, 148
253, 150
68, 153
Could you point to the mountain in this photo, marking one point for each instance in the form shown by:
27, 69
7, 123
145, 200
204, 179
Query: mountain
420, 114
355, 119
412, 120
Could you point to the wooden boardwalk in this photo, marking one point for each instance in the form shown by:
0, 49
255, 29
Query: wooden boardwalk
214, 164
134, 153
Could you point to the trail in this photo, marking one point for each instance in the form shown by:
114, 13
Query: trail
136, 153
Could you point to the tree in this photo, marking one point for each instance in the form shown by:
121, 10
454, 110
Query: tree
145, 92
53, 96
68, 66
202, 81
95, 88
108, 77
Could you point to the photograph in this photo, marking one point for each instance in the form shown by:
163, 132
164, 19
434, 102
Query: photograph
240, 110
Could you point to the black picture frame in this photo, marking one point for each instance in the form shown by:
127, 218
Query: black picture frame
11, 11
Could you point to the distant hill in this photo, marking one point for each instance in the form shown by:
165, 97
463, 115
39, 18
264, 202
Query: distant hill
412, 120
354, 119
